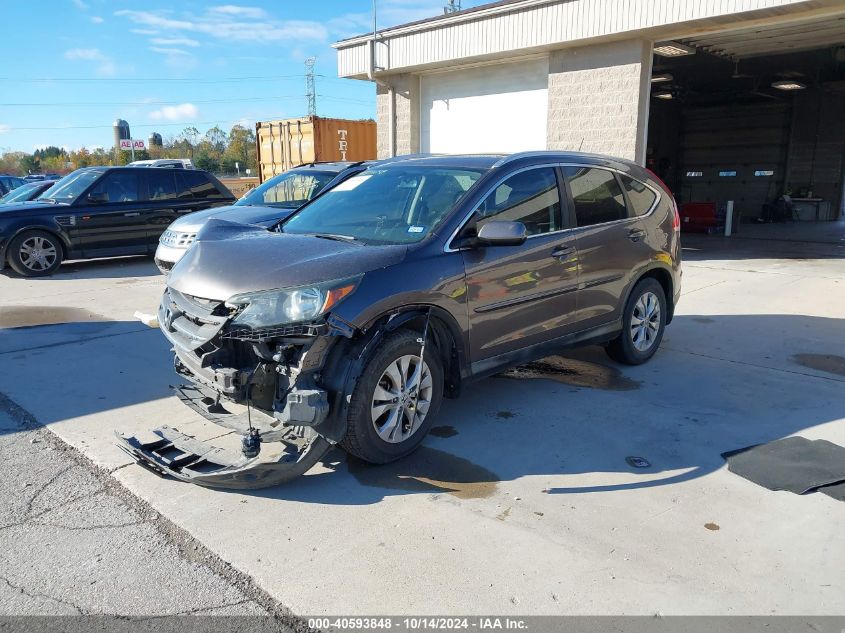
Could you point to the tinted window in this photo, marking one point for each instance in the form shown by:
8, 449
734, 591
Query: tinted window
161, 185
640, 197
530, 197
120, 186
194, 184
4, 185
596, 195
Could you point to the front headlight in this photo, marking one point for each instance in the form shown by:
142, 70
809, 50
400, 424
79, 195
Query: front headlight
289, 305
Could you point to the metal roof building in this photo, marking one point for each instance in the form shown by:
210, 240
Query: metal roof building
710, 86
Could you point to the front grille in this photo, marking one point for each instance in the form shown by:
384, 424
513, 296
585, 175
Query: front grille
175, 239
266, 333
163, 265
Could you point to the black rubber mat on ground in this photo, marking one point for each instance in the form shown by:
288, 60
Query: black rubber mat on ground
795, 464
837, 491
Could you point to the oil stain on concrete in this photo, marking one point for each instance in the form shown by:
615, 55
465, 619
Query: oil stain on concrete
829, 363
430, 471
574, 372
29, 316
443, 431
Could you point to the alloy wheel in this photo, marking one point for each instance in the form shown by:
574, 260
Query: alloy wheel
645, 321
38, 253
401, 399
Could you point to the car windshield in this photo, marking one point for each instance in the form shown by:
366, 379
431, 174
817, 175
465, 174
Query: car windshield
388, 205
71, 186
20, 194
290, 190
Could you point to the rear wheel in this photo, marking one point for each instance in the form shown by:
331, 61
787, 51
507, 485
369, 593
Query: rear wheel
395, 400
35, 253
643, 323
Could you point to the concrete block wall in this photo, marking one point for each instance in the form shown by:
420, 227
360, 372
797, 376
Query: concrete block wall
406, 95
599, 98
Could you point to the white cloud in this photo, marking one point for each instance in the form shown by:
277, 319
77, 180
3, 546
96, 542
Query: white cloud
105, 66
144, 31
82, 6
254, 13
4, 129
181, 112
229, 24
174, 41
176, 57
96, 19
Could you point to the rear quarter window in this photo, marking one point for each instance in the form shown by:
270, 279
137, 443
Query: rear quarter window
640, 197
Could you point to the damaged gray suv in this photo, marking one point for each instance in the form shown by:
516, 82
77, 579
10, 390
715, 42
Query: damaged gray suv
350, 322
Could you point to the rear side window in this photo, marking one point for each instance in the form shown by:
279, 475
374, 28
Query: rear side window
596, 195
194, 184
530, 197
120, 186
640, 197
161, 184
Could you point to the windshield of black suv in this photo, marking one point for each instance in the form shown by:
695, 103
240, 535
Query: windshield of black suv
71, 186
388, 205
290, 190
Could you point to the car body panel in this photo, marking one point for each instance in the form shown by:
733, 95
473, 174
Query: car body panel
91, 229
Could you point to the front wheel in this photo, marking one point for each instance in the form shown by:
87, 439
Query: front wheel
35, 253
395, 399
643, 323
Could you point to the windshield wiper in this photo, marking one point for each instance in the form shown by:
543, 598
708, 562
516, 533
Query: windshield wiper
336, 237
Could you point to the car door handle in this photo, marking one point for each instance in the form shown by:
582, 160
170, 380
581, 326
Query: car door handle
131, 214
635, 235
561, 252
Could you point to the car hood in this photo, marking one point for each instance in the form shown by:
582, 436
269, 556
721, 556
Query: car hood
245, 214
32, 207
229, 259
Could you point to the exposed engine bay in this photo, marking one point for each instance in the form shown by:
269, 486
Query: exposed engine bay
273, 371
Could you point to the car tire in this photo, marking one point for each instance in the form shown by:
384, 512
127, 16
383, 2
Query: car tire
35, 253
372, 434
643, 323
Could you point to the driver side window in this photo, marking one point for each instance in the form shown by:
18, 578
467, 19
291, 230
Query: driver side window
119, 186
531, 197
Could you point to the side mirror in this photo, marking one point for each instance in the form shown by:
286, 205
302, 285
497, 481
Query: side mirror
500, 233
98, 197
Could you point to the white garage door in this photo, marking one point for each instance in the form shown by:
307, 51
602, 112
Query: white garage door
499, 108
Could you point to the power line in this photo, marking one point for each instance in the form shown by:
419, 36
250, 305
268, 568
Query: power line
148, 103
207, 80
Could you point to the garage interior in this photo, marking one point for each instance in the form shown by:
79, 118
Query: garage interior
748, 116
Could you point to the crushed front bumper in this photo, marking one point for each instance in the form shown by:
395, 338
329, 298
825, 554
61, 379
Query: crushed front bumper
272, 371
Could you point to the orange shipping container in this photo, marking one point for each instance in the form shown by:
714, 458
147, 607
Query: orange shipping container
285, 144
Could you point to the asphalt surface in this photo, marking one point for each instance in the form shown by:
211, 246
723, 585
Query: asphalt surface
75, 542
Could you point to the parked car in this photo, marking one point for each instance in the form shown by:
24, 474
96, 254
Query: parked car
102, 212
395, 288
175, 163
7, 183
28, 191
265, 205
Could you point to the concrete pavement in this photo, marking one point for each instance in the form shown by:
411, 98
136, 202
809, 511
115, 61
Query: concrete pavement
521, 502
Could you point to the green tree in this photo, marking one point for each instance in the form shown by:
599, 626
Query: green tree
30, 164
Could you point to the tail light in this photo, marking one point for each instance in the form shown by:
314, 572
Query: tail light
676, 218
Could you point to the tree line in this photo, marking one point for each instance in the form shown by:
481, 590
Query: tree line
215, 151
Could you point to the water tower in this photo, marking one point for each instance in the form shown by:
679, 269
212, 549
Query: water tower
121, 132
155, 140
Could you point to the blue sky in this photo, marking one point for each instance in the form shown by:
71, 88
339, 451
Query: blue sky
73, 66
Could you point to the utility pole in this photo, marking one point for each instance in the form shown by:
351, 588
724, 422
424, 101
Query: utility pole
310, 92
452, 6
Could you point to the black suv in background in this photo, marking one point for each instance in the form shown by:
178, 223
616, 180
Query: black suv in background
102, 212
8, 183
